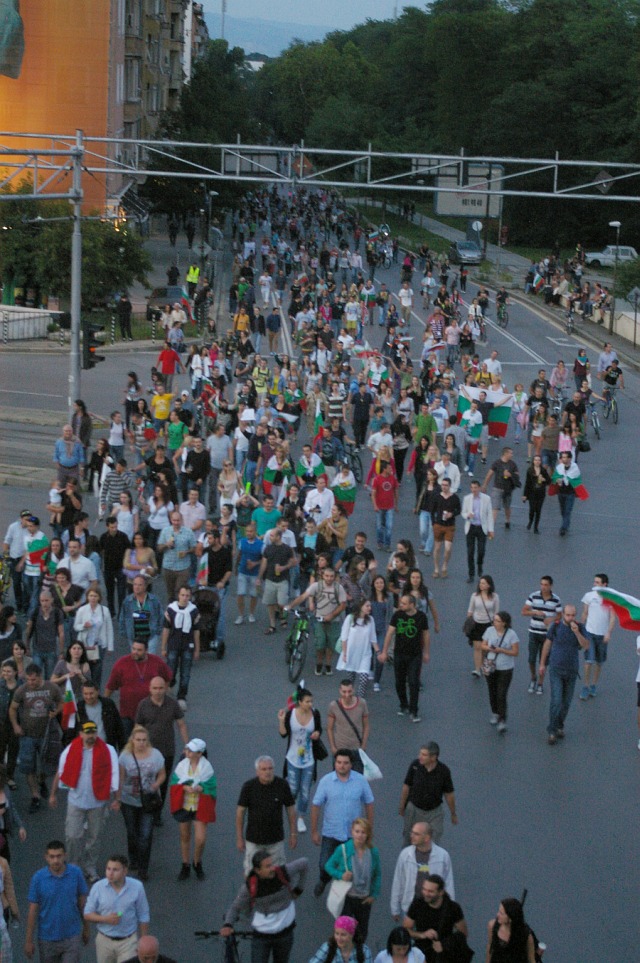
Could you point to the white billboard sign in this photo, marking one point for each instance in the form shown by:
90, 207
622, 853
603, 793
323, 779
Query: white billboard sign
472, 200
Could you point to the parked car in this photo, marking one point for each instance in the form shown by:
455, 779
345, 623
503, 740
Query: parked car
159, 297
607, 258
464, 252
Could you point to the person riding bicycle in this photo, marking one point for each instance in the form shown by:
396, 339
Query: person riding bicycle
559, 380
502, 298
613, 378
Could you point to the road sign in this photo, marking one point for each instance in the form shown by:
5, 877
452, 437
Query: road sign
472, 200
603, 181
477, 226
633, 295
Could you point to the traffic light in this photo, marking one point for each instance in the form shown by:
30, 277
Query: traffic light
90, 342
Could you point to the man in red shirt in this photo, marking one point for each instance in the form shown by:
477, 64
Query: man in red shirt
132, 675
384, 495
167, 364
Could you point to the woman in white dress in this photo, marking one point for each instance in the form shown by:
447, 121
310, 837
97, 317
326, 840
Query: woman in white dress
358, 639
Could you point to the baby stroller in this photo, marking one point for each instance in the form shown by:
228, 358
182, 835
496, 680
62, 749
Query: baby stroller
207, 602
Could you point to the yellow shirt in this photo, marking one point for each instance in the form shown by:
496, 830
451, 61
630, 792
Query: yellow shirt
161, 406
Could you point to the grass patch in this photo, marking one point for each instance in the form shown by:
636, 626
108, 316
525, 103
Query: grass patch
400, 228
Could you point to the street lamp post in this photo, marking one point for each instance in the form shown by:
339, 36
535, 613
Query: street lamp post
617, 225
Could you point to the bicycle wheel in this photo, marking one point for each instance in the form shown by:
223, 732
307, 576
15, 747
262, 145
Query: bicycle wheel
505, 318
289, 645
356, 467
606, 409
595, 421
614, 411
298, 657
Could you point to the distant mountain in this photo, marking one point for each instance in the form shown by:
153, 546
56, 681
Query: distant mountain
268, 37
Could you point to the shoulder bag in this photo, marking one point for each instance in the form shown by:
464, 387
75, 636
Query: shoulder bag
338, 890
489, 661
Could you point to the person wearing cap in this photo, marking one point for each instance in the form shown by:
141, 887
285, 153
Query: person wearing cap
344, 944
192, 795
13, 548
118, 905
268, 897
88, 768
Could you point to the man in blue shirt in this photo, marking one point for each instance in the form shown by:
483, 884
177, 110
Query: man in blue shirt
343, 794
118, 905
561, 648
57, 895
249, 559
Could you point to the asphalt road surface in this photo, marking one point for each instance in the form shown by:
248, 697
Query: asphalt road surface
556, 820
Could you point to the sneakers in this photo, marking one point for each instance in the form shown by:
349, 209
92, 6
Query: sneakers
592, 691
328, 670
183, 704
302, 826
552, 739
239, 620
402, 712
318, 670
502, 726
376, 687
252, 619
476, 673
560, 733
507, 525
584, 693
34, 805
415, 717
494, 719
532, 688
539, 689
198, 870
184, 873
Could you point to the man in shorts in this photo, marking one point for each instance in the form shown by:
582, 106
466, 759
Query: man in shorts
249, 559
328, 600
277, 559
33, 704
506, 478
446, 507
599, 621
542, 608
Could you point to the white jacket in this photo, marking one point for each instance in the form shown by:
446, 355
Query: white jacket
105, 630
403, 889
486, 512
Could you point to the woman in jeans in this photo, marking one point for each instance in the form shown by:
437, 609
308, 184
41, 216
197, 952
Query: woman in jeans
483, 605
500, 645
301, 726
358, 861
381, 612
429, 492
141, 770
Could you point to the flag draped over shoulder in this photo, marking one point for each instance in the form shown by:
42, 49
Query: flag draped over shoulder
499, 414
573, 476
344, 488
275, 473
626, 607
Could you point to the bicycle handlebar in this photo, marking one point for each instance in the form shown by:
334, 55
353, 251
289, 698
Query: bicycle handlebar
207, 934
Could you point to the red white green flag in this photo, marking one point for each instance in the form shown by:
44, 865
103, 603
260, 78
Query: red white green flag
499, 414
573, 476
626, 607
69, 707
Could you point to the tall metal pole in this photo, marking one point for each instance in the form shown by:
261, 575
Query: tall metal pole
617, 226
224, 10
76, 273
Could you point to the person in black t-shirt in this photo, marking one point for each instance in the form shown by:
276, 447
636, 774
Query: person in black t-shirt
427, 783
436, 922
411, 631
357, 550
262, 799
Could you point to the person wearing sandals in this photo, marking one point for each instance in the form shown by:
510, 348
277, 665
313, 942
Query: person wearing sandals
358, 860
193, 789
484, 604
302, 727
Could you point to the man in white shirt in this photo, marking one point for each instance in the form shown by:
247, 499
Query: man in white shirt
599, 621
88, 768
380, 439
83, 571
405, 296
478, 526
319, 501
446, 469
493, 365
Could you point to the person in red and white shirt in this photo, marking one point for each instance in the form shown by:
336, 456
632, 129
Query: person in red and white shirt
384, 495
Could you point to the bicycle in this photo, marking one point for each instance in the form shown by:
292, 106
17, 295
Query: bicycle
569, 324
296, 645
502, 315
559, 401
610, 406
354, 461
594, 420
230, 949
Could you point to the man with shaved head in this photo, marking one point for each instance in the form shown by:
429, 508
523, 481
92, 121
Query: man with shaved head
149, 952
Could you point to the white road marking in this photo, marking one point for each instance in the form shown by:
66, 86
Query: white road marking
35, 394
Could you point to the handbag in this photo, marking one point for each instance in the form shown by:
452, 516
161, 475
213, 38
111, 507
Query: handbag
371, 771
319, 750
583, 445
488, 663
151, 802
467, 625
338, 890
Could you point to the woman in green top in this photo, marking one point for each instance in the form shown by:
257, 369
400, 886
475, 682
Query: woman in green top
176, 431
358, 860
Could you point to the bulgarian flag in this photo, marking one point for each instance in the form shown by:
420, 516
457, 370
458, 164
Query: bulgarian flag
275, 474
69, 708
538, 282
344, 490
302, 470
318, 420
573, 476
473, 431
499, 415
625, 607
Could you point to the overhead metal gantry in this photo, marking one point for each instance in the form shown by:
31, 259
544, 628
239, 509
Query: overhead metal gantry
369, 170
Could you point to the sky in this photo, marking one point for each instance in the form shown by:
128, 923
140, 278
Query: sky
330, 14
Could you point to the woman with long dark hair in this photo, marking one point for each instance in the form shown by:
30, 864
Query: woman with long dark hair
424, 507
358, 641
510, 940
399, 949
483, 605
302, 727
536, 482
401, 434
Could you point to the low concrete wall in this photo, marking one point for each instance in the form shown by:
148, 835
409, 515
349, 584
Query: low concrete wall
25, 324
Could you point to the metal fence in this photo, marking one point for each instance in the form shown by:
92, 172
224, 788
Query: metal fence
21, 324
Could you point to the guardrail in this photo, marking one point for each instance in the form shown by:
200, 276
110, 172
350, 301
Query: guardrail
21, 324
